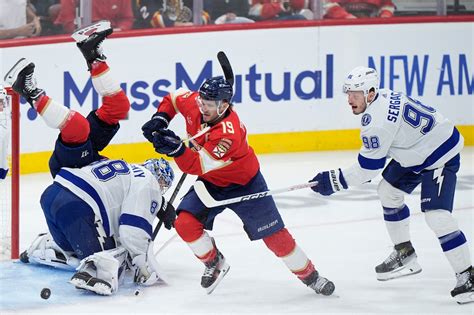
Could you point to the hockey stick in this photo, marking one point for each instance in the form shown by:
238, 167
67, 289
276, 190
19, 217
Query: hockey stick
210, 202
173, 197
226, 67
200, 133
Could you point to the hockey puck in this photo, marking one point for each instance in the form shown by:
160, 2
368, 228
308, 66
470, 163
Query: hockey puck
137, 292
45, 293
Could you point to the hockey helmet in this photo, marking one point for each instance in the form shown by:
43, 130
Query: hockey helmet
161, 169
362, 79
216, 89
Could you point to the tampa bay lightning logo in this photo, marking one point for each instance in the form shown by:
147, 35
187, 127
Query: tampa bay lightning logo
153, 207
366, 119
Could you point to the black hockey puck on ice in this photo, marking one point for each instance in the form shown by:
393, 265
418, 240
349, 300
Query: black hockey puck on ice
45, 293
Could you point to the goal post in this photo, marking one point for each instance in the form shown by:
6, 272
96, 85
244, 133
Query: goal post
10, 186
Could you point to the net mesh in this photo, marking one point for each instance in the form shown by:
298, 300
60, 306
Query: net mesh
6, 183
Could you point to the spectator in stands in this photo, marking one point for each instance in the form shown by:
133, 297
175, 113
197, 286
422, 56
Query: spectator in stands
48, 11
263, 10
352, 9
118, 12
228, 11
164, 13
18, 20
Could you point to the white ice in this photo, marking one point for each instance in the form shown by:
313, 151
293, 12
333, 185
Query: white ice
343, 234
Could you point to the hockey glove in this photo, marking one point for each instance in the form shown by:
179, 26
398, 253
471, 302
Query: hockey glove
146, 267
167, 214
158, 121
329, 182
167, 142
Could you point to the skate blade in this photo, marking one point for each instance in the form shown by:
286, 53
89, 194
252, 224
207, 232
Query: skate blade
11, 75
87, 31
411, 268
465, 298
224, 271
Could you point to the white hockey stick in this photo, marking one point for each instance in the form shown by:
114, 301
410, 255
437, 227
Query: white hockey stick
200, 133
210, 202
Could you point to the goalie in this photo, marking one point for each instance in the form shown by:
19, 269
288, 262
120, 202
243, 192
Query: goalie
99, 212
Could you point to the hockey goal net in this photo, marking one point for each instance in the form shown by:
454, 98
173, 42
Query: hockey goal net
9, 182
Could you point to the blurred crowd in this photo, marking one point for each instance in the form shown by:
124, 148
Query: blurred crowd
30, 18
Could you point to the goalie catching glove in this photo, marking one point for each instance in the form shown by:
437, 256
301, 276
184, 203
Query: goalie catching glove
146, 267
329, 182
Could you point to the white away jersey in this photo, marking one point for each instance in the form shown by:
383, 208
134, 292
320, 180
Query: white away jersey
125, 198
399, 127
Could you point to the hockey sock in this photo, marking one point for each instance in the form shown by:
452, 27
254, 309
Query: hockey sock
192, 232
397, 221
452, 240
284, 247
74, 127
115, 104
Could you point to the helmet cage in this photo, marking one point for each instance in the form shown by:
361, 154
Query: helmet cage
162, 171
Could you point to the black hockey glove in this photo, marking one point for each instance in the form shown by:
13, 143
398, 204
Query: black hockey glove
167, 142
158, 121
167, 214
329, 182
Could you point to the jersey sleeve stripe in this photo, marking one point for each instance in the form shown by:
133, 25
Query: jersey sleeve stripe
87, 188
371, 164
439, 152
135, 221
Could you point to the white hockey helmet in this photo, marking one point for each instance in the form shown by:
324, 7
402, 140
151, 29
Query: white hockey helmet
362, 79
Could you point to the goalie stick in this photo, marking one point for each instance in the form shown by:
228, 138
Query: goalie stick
210, 202
226, 67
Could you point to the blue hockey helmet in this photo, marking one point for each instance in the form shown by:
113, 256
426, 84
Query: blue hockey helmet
161, 169
216, 89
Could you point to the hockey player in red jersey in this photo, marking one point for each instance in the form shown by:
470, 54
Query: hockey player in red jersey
228, 167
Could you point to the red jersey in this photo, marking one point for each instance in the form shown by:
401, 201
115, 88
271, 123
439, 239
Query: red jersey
337, 9
222, 155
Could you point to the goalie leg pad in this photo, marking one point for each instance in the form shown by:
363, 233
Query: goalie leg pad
45, 251
101, 271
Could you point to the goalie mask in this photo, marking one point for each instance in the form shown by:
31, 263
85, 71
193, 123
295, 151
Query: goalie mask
362, 79
216, 90
161, 169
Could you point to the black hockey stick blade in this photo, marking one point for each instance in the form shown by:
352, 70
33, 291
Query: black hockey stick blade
226, 67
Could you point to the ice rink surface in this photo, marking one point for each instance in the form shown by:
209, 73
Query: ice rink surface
343, 234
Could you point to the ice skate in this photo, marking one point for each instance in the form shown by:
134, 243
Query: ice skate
319, 284
214, 272
401, 262
90, 38
83, 280
464, 291
21, 78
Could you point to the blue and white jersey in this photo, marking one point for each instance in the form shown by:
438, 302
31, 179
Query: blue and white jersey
399, 127
125, 199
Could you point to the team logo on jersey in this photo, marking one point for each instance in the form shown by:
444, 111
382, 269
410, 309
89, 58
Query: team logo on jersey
153, 207
366, 119
222, 147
